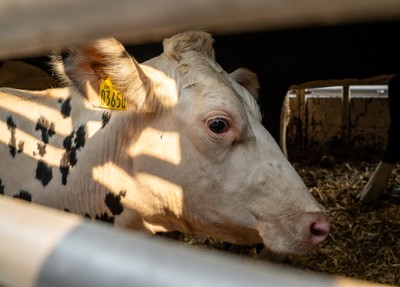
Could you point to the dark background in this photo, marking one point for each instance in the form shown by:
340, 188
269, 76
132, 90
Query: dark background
294, 56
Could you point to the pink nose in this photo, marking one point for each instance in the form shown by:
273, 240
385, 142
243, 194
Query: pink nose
319, 230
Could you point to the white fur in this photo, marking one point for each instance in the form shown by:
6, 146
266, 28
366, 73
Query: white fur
170, 171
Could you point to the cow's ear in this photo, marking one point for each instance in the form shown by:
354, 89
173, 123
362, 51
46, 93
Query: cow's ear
197, 40
87, 66
248, 80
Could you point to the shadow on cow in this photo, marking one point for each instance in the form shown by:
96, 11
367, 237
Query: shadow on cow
187, 152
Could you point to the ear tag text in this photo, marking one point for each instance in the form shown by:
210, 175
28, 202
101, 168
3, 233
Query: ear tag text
111, 98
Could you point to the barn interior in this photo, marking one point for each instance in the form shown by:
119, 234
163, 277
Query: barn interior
329, 61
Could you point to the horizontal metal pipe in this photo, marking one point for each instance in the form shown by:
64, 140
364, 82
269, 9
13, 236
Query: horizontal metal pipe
44, 247
33, 27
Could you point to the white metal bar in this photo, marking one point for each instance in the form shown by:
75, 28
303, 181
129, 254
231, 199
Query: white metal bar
29, 27
44, 247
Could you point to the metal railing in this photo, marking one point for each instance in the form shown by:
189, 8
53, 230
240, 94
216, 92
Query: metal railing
40, 246
30, 27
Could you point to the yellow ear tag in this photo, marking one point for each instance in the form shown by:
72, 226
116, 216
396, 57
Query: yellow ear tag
109, 97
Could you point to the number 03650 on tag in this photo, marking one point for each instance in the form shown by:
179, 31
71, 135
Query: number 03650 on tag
110, 98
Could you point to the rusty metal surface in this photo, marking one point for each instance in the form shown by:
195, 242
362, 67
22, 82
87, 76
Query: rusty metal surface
325, 120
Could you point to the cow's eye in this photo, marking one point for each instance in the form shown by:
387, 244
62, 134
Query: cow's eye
218, 125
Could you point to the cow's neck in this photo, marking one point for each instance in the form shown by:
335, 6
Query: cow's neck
113, 182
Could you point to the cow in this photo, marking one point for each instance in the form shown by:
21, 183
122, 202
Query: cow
376, 185
172, 144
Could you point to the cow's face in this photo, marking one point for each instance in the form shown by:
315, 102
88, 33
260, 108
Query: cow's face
202, 161
238, 185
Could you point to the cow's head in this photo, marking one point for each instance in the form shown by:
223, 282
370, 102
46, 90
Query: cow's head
192, 143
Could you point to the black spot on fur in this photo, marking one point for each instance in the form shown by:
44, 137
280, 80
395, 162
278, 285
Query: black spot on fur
13, 150
21, 146
105, 217
113, 202
66, 108
52, 129
43, 172
80, 137
1, 187
23, 194
11, 125
72, 157
47, 128
41, 149
105, 117
71, 143
65, 160
67, 143
64, 167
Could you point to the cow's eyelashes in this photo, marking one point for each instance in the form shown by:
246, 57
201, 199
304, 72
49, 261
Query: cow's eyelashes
218, 125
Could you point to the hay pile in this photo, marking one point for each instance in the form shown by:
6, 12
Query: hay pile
365, 239
364, 242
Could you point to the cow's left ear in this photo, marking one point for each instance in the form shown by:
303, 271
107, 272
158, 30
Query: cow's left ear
248, 80
87, 66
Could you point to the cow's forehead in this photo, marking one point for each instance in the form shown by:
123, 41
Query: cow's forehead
214, 80
198, 70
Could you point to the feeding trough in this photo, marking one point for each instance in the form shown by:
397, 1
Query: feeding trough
351, 116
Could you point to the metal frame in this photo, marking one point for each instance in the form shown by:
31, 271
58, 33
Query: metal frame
40, 246
33, 27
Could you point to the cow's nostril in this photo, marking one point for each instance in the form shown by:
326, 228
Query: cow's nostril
319, 231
